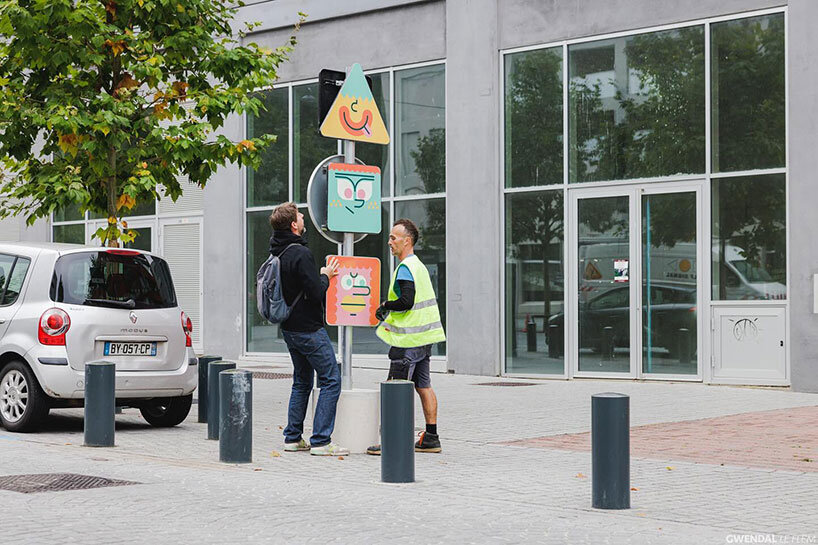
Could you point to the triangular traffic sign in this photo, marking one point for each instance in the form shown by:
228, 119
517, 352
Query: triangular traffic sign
354, 114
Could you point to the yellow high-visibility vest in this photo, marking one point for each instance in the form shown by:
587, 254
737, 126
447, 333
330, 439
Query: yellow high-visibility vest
419, 325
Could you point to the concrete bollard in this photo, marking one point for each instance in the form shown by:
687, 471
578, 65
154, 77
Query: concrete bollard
610, 451
531, 334
213, 370
684, 345
236, 416
203, 363
607, 343
397, 431
100, 403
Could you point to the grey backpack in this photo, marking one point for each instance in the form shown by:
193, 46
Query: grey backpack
269, 296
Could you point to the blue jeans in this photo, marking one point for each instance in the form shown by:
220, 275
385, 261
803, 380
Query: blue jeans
312, 352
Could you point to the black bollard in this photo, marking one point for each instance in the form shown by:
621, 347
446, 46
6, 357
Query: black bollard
398, 431
684, 345
213, 370
554, 341
236, 416
531, 334
610, 451
607, 343
203, 362
100, 403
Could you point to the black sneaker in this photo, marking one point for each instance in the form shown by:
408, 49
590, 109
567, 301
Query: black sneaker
374, 450
428, 442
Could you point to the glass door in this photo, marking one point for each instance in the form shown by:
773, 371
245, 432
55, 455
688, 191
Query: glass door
635, 255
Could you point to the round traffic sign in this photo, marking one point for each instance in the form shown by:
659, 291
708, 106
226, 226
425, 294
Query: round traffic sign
317, 200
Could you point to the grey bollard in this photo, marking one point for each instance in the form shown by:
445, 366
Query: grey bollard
531, 334
607, 343
684, 345
610, 451
554, 341
236, 416
100, 403
203, 363
213, 370
398, 431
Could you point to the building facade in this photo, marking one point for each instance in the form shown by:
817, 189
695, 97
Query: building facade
612, 189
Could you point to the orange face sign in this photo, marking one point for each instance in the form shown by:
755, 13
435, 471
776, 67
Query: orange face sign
355, 292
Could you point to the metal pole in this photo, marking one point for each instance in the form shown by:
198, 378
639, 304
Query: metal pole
213, 370
236, 416
610, 451
348, 249
397, 431
204, 361
100, 401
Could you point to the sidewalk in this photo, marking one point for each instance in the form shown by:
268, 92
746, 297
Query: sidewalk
513, 470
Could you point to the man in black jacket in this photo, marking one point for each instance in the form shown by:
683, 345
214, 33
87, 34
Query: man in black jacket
307, 340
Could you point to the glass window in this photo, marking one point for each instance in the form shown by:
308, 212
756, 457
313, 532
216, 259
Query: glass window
420, 135
533, 118
309, 147
377, 154
749, 238
748, 120
262, 336
145, 208
71, 212
636, 106
6, 264
534, 283
143, 239
18, 274
268, 184
430, 217
73, 234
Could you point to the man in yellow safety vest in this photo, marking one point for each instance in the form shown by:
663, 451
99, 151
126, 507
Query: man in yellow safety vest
410, 324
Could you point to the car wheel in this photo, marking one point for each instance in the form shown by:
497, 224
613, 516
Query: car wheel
23, 404
165, 412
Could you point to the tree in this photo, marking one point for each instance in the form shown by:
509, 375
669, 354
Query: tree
105, 102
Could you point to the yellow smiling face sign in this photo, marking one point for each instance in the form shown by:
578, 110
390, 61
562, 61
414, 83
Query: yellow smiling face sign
354, 114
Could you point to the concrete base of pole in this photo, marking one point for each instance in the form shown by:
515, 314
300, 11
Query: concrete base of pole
357, 420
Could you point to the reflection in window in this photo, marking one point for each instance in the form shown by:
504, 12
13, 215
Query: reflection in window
73, 234
533, 118
534, 283
262, 336
748, 93
430, 217
629, 106
71, 212
377, 154
749, 238
16, 281
267, 185
309, 147
420, 135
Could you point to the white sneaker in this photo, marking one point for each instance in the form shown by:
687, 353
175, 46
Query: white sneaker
295, 447
330, 449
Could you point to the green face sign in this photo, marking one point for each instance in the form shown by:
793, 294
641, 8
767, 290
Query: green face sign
354, 198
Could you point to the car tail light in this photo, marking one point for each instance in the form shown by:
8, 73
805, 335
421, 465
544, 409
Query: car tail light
53, 325
122, 252
187, 327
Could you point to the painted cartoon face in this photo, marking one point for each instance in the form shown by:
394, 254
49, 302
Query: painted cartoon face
356, 188
354, 121
358, 290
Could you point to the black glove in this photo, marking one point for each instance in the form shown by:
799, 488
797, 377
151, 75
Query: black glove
381, 313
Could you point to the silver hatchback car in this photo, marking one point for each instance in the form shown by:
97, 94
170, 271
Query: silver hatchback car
63, 305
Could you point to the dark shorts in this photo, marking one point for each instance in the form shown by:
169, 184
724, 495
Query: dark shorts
411, 364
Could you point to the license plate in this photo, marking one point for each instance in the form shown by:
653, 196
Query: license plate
130, 349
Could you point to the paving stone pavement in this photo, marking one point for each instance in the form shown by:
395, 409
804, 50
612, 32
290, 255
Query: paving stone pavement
475, 491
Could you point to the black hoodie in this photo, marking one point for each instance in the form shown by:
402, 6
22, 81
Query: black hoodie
299, 273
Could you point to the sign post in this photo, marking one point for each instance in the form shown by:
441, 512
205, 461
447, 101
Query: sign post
348, 249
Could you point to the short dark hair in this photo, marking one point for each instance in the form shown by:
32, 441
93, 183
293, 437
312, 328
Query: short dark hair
410, 227
283, 216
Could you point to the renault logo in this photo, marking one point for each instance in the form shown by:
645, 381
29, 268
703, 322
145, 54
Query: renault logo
132, 316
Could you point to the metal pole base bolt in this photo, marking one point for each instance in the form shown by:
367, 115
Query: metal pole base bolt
202, 393
213, 370
398, 431
100, 403
236, 416
610, 451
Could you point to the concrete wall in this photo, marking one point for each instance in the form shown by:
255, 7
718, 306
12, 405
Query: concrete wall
803, 196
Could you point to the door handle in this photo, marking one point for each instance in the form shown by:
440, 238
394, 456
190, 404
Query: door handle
2, 320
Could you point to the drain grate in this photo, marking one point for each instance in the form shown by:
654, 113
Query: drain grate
56, 482
269, 375
505, 384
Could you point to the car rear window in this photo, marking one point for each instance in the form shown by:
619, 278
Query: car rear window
117, 279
